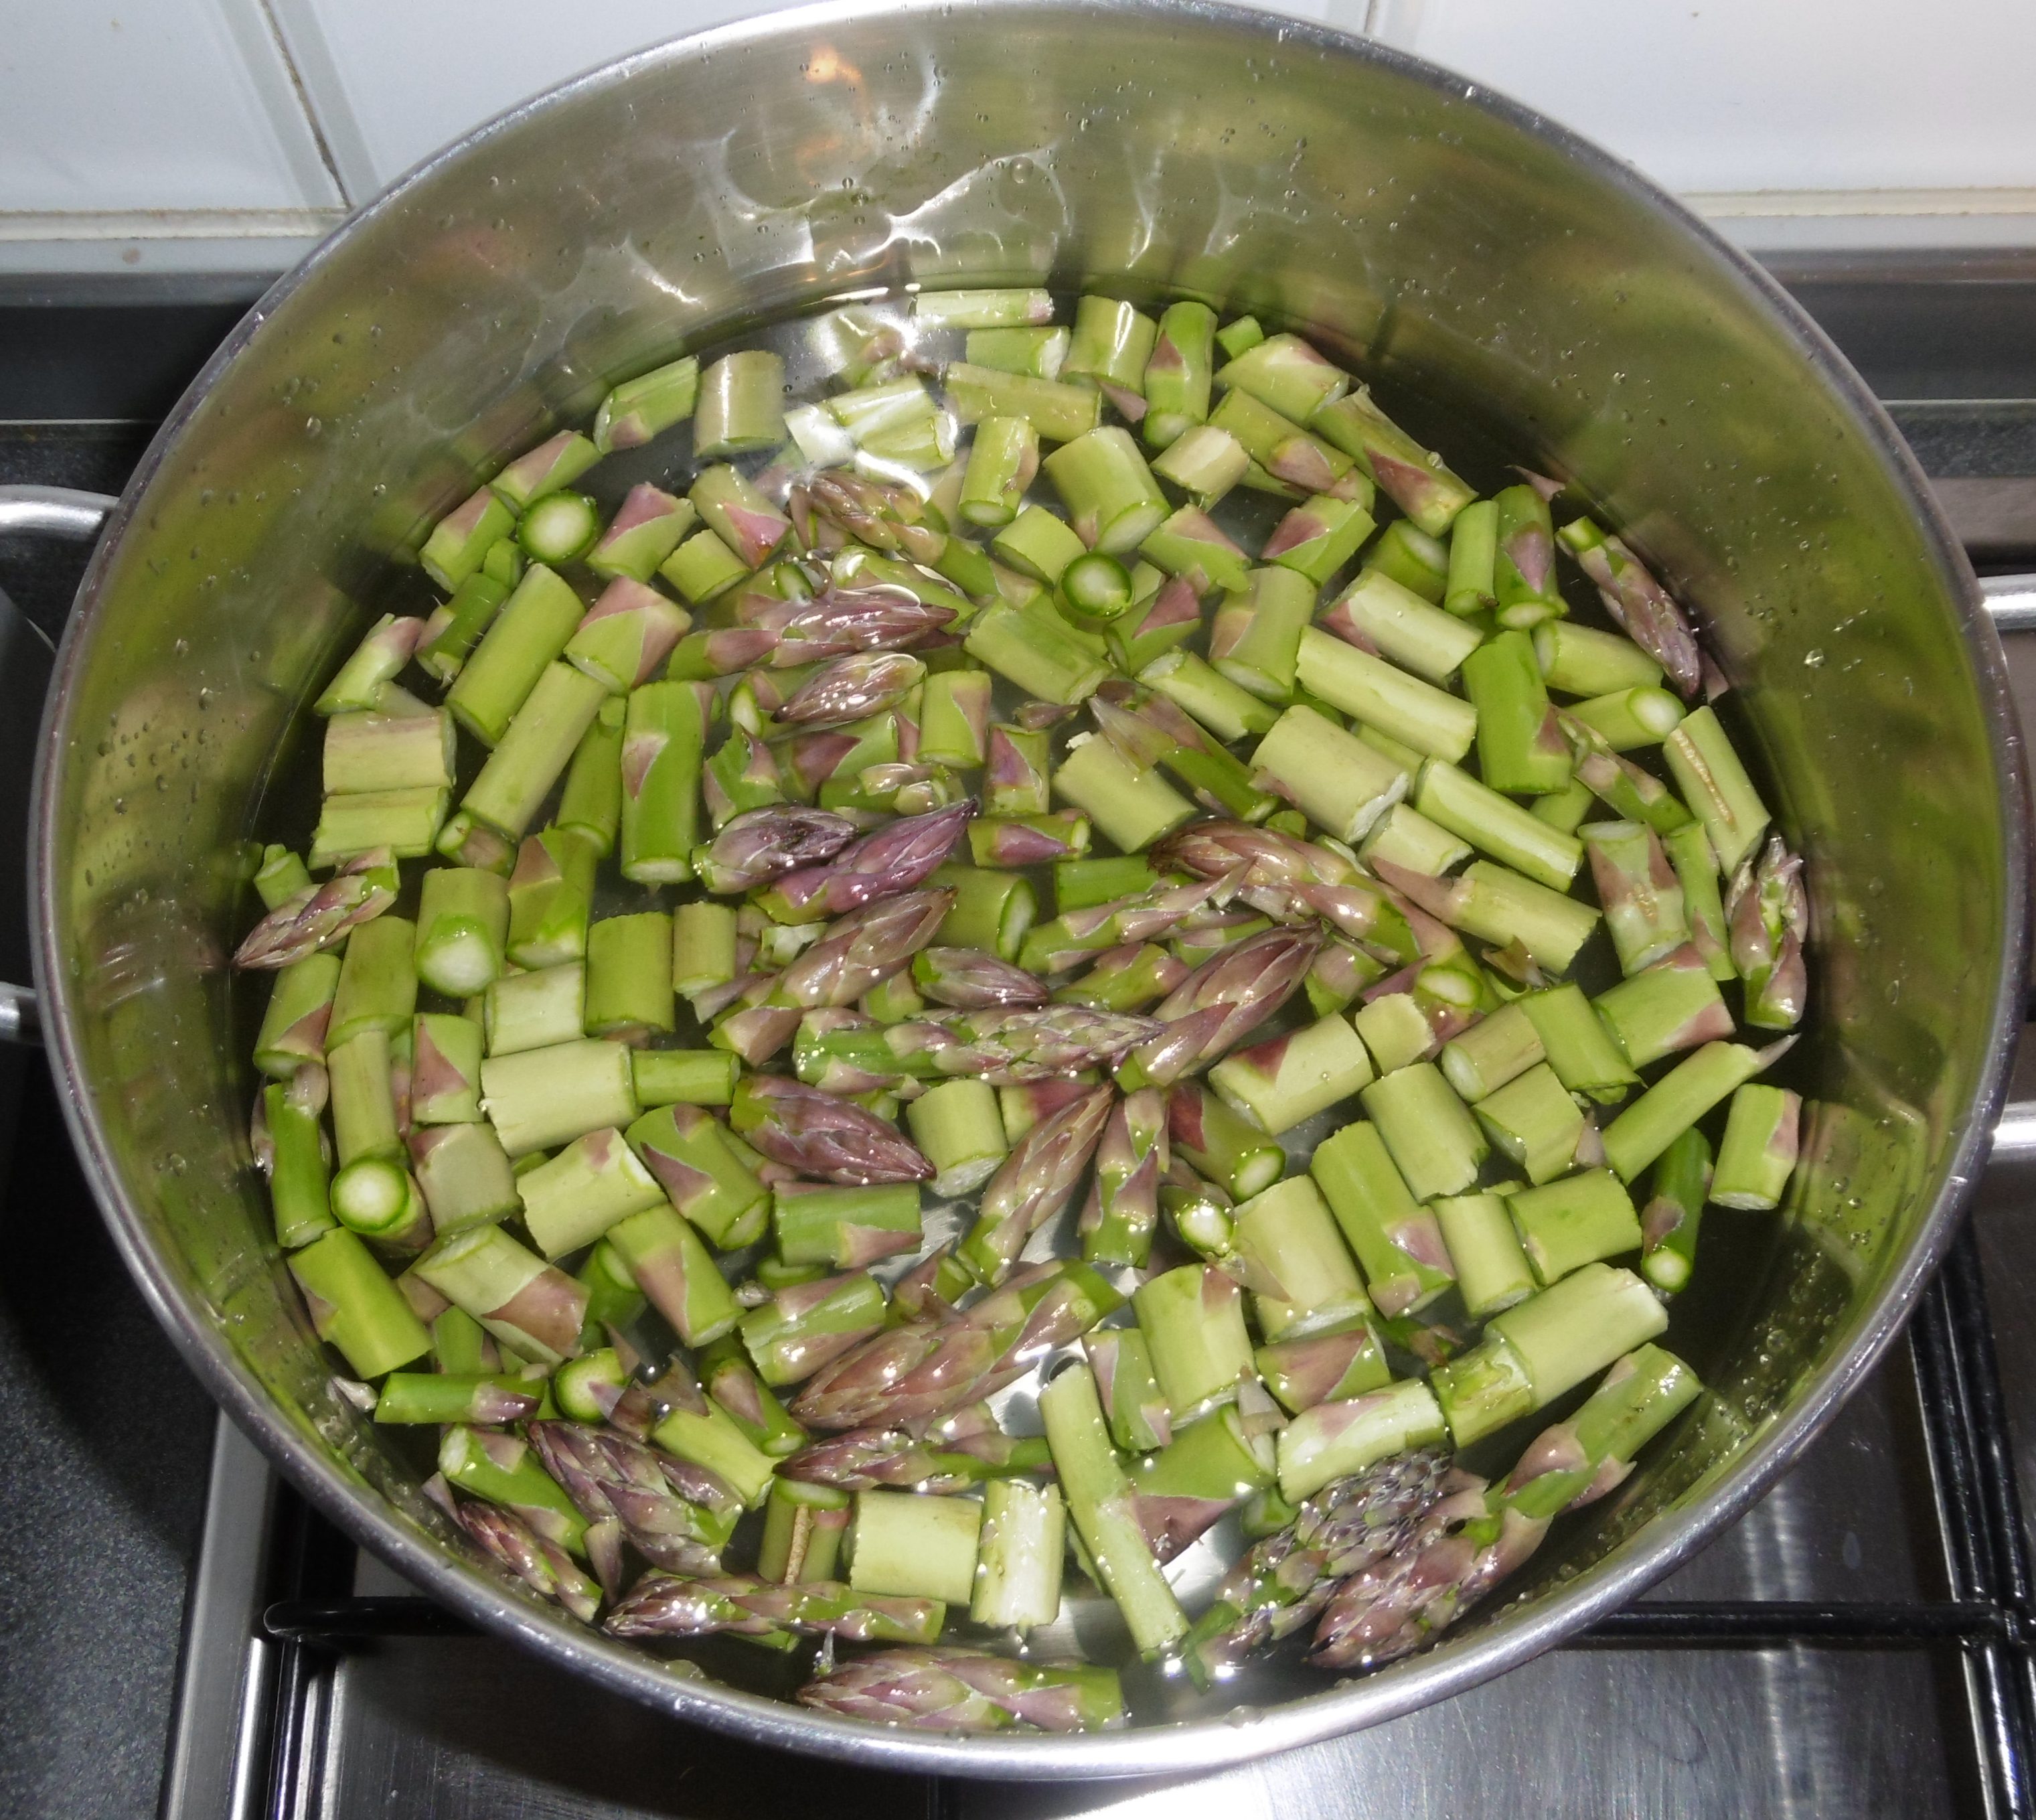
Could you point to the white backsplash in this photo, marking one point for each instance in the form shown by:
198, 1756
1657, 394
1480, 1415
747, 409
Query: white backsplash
232, 133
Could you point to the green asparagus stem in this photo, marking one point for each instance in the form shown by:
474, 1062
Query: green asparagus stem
289, 1146
436, 1397
1492, 1051
591, 805
689, 1153
403, 823
1757, 1154
298, 1017
539, 1098
629, 977
1636, 602
1715, 783
1579, 1048
528, 636
1413, 478
1037, 650
1101, 1505
573, 1199
531, 1307
1473, 550
1434, 1140
1689, 850
1389, 699
551, 898
535, 750
1131, 806
1641, 896
1340, 784
1768, 917
1395, 1239
1492, 1270
377, 660
1523, 568
1217, 1143
1533, 1123
1674, 1212
458, 541
740, 410
535, 1010
1193, 1318
464, 1176
804, 1526
661, 770
1673, 1005
1502, 908
1279, 1083
703, 568
363, 1101
958, 1126
1037, 354
1581, 660
678, 1273
356, 1307
674, 1604
1058, 411
1575, 1221
388, 752
1410, 558
913, 1546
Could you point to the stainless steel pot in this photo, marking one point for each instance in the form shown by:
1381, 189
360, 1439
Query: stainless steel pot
1465, 251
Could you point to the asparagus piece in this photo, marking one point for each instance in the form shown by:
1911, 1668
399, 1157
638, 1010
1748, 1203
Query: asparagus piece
438, 1397
464, 1176
1217, 1143
458, 541
1395, 1239
1413, 478
895, 858
1492, 1269
1130, 806
1316, 538
377, 660
535, 1010
1058, 411
574, 1197
1578, 1046
1714, 783
1208, 1468
1164, 613
671, 1605
1470, 588
845, 1228
540, 1563
629, 977
807, 1326
531, 1307
1575, 1221
1037, 354
1502, 908
656, 1501
1125, 980
1303, 1280
844, 619
355, 1306
1379, 614
289, 1147
1289, 456
299, 1014
462, 923
364, 1120
911, 1546
983, 309
1332, 1440
661, 768
402, 824
926, 1369
538, 1099
1193, 1318
1433, 1139
1524, 565
820, 1134
1029, 840
1689, 850
1149, 730
591, 804
1101, 1504
1128, 1389
1280, 1082
1768, 915
957, 1125
1636, 603
1641, 896
1114, 504
1190, 546
1671, 1006
1285, 1580
803, 1528
1179, 372
1494, 1051
687, 1151
1374, 691
993, 910
1757, 1152
529, 635
1633, 795
370, 751
863, 949
1123, 1207
502, 1469
1015, 776
1033, 1185
1219, 1004
1323, 1367
1670, 1220
550, 898
1533, 1123
868, 1457
1021, 1543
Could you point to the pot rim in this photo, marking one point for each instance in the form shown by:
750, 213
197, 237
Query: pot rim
1171, 1749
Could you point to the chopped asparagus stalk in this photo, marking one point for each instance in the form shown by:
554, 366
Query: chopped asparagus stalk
1193, 1318
1332, 1440
1533, 1123
1757, 1152
1670, 1220
914, 1547
1375, 691
1337, 781
1492, 1269
1406, 1264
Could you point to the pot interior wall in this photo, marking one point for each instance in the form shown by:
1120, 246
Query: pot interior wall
1492, 274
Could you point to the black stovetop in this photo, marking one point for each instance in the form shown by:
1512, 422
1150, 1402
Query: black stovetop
1898, 1526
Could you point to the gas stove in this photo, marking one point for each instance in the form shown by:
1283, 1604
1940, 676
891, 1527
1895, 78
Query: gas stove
183, 1634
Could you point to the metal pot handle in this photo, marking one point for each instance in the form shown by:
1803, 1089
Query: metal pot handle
2010, 602
76, 517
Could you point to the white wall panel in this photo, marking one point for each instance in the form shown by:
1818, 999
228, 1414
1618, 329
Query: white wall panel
1761, 95
112, 105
